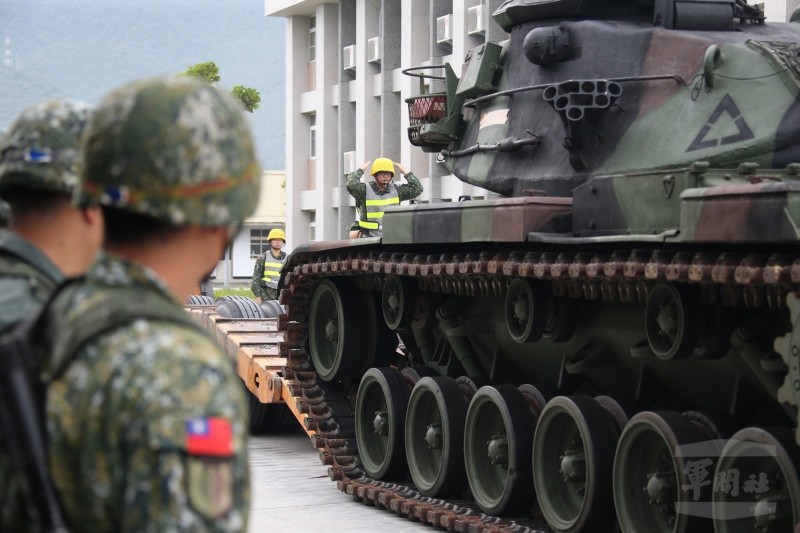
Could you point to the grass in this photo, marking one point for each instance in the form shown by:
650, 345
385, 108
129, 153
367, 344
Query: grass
219, 292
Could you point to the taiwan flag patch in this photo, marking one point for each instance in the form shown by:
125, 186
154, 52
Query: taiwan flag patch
209, 436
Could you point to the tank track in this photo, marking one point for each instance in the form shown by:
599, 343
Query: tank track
733, 279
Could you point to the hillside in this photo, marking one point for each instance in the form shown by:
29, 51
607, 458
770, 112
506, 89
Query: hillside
20, 90
83, 48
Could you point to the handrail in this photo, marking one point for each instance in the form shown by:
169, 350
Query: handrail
408, 72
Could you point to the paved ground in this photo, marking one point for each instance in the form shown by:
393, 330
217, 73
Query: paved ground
292, 492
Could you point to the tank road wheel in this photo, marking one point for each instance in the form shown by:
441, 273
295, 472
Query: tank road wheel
435, 419
671, 320
425, 306
713, 338
573, 453
759, 489
380, 343
334, 329
526, 310
412, 374
398, 300
498, 436
652, 485
380, 420
562, 320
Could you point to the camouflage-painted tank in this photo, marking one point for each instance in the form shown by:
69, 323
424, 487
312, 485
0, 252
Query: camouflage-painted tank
615, 341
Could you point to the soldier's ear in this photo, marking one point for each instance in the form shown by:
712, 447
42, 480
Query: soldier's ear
92, 215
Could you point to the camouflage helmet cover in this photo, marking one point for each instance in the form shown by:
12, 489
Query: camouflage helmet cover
175, 149
41, 149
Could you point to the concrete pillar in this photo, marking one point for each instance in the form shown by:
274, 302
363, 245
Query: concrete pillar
416, 28
390, 35
327, 130
368, 110
347, 112
296, 128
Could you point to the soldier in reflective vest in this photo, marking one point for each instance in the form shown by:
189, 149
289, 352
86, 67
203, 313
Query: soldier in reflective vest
268, 267
373, 198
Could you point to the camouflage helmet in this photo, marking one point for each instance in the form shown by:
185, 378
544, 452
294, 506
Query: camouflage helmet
41, 150
175, 149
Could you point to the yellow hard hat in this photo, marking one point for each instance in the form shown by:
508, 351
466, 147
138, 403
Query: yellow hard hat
276, 233
382, 164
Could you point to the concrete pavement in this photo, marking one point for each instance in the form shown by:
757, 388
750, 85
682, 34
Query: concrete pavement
291, 492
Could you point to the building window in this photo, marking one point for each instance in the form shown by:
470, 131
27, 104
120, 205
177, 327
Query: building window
312, 226
312, 137
312, 38
258, 242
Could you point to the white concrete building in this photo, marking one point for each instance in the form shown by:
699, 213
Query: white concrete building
345, 94
778, 10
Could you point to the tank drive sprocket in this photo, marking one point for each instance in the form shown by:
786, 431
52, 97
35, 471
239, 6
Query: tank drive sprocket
789, 348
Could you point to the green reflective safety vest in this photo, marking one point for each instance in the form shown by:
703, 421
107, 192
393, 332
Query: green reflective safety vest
272, 269
372, 219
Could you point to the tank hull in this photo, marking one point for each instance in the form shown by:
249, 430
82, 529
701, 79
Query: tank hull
600, 338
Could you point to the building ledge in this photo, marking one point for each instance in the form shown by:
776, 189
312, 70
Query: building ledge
308, 200
290, 8
308, 102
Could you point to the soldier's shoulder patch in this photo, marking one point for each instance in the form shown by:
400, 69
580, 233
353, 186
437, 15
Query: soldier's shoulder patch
209, 445
209, 436
211, 485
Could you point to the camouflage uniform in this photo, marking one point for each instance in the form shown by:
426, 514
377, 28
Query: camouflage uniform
358, 190
146, 425
117, 419
39, 153
259, 286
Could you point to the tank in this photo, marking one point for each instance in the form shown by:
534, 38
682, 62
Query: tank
611, 343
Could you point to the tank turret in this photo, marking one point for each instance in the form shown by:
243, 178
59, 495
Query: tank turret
588, 88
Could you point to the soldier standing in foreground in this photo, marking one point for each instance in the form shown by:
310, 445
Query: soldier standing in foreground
267, 271
48, 237
373, 198
145, 415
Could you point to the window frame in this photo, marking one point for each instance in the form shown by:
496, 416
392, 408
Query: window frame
260, 241
312, 136
312, 38
312, 226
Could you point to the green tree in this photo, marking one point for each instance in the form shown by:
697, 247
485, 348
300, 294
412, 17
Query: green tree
249, 97
209, 72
